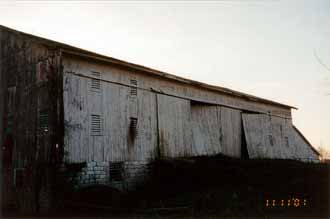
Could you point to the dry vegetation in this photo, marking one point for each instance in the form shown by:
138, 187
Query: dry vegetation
324, 151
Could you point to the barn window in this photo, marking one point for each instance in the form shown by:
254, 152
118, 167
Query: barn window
96, 125
43, 121
96, 81
271, 140
133, 87
116, 171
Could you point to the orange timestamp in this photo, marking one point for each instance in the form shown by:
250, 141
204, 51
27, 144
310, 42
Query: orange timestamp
293, 202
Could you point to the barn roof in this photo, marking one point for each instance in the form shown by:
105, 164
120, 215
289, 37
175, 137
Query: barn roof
82, 52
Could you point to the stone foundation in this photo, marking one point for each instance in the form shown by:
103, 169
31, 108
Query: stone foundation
121, 175
94, 173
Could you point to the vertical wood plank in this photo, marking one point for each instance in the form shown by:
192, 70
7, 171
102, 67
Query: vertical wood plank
175, 133
287, 142
206, 127
231, 132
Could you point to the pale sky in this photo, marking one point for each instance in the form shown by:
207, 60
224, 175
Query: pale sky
265, 48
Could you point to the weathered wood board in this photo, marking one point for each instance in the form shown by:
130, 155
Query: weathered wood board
274, 137
76, 120
112, 104
175, 133
144, 145
115, 74
231, 132
303, 148
206, 127
116, 122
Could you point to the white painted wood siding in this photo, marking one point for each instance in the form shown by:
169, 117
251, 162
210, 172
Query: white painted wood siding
112, 103
115, 74
304, 150
231, 132
206, 127
175, 133
165, 117
273, 137
144, 146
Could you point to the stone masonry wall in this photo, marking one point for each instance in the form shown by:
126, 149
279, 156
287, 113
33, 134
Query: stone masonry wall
94, 173
126, 175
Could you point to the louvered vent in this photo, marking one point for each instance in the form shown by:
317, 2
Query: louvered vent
133, 88
96, 81
43, 121
134, 123
96, 125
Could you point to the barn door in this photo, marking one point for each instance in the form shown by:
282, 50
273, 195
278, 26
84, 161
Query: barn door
268, 136
174, 130
256, 130
206, 129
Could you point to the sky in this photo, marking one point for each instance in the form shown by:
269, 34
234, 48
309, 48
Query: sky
279, 50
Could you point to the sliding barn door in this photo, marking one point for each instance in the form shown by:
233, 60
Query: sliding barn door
274, 137
174, 130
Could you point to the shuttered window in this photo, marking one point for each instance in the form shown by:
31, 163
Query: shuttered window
43, 121
133, 88
133, 124
96, 125
133, 127
96, 82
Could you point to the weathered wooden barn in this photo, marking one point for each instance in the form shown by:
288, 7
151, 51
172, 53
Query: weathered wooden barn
61, 104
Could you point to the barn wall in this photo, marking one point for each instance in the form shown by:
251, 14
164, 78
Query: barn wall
115, 105
149, 82
167, 125
30, 109
3, 183
31, 93
172, 119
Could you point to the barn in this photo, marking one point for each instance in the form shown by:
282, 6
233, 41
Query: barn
62, 104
